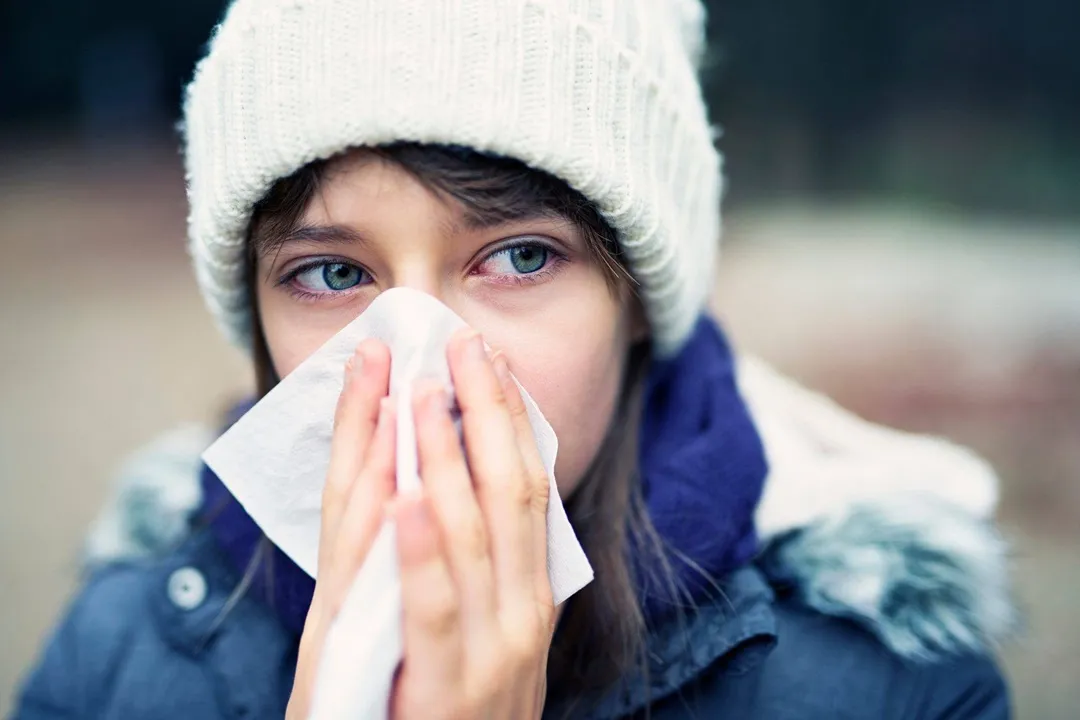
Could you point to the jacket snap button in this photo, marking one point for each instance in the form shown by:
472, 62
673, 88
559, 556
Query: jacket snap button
187, 588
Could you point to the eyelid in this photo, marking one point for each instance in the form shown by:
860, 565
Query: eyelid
308, 263
548, 243
518, 241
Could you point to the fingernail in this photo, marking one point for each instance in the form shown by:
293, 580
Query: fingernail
349, 370
363, 355
429, 396
473, 344
502, 369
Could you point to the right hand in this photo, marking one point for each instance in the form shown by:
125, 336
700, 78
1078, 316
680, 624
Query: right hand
359, 483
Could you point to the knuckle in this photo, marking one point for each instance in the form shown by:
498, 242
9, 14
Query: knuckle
516, 405
521, 654
466, 707
485, 686
498, 395
471, 535
444, 448
522, 641
541, 491
333, 598
335, 490
547, 616
378, 462
522, 492
333, 495
441, 612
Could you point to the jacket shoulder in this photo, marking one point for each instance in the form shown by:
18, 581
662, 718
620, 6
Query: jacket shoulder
828, 667
86, 652
836, 668
151, 638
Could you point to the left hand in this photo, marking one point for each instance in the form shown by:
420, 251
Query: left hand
478, 615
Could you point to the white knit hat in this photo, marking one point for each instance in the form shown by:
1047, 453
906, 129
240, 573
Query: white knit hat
602, 94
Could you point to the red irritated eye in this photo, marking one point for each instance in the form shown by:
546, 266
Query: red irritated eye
522, 262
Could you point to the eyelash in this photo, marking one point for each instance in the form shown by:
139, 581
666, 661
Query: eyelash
555, 261
287, 280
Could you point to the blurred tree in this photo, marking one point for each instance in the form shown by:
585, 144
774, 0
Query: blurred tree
62, 59
966, 101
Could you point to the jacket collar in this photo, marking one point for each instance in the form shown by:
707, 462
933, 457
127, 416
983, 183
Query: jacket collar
200, 610
731, 631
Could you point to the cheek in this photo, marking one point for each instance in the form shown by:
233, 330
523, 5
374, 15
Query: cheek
581, 413
573, 371
292, 334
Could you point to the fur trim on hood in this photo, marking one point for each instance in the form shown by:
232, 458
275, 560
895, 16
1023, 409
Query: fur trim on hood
891, 530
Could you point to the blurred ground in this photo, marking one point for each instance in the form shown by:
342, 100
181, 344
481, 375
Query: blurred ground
925, 320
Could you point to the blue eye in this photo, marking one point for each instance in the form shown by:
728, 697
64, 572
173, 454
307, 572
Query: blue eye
339, 276
528, 258
330, 277
519, 260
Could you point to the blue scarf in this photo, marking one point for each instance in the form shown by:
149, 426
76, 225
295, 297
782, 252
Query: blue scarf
702, 470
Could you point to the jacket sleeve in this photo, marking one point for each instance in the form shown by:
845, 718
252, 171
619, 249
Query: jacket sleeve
971, 688
83, 655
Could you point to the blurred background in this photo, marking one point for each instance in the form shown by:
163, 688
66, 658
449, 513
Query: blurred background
903, 232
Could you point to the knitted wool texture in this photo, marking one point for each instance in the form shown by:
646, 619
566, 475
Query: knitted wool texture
602, 94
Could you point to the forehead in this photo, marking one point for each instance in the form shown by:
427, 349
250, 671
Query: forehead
366, 183
470, 192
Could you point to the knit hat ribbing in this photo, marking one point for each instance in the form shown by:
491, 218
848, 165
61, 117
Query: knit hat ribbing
602, 94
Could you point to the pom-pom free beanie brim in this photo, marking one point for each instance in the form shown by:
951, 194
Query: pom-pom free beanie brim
602, 94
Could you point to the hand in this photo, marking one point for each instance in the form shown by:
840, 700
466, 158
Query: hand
359, 483
478, 616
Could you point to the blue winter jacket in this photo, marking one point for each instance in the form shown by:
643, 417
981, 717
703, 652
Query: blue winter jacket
876, 604
154, 639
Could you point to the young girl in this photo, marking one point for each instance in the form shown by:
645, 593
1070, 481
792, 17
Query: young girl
546, 170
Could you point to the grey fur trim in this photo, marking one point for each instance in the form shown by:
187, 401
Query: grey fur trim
152, 500
924, 576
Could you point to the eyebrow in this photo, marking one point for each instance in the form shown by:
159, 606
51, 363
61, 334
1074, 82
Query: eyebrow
312, 235
343, 235
477, 220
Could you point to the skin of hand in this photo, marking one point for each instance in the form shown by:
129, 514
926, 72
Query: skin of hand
478, 616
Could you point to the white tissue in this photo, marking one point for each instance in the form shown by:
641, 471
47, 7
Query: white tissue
274, 462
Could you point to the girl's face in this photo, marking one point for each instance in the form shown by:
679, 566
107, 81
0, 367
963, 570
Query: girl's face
531, 287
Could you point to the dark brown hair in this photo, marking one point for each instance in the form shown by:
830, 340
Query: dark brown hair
601, 631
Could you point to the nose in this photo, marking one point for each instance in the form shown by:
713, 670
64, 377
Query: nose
447, 290
423, 273
426, 280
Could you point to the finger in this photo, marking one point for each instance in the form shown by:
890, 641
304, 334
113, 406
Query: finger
365, 508
449, 489
535, 472
496, 465
367, 378
431, 628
